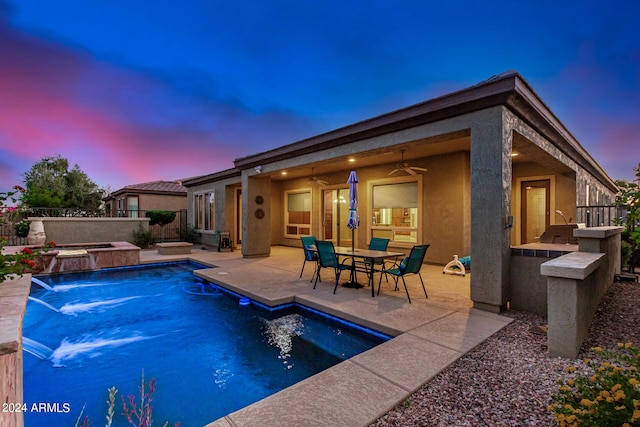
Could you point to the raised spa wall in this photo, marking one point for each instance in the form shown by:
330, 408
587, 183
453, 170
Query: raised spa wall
88, 256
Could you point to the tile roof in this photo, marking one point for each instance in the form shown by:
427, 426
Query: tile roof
154, 187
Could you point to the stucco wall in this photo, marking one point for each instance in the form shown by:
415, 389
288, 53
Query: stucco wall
89, 230
148, 202
528, 288
224, 207
445, 204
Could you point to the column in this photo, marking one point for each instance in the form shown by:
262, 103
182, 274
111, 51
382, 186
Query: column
491, 142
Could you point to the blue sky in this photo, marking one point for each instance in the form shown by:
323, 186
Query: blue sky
140, 91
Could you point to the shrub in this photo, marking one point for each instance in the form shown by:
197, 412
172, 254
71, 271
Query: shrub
605, 393
189, 234
143, 238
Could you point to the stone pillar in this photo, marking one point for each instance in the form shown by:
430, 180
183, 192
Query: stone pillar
256, 215
491, 142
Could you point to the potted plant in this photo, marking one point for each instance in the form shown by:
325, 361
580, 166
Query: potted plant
22, 228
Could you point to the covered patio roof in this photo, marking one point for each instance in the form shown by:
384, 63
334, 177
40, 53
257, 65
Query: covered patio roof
508, 89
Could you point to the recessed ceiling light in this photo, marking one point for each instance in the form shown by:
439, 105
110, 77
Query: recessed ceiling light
351, 160
283, 172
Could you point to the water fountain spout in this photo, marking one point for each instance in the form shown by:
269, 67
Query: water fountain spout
42, 284
44, 304
39, 350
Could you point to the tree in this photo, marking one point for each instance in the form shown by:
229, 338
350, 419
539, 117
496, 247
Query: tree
161, 218
50, 184
628, 197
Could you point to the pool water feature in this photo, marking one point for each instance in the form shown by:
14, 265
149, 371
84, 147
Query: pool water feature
209, 355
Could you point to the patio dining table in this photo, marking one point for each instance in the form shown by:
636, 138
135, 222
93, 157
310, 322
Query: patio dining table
369, 255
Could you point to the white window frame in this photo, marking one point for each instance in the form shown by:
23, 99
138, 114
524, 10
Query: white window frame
298, 226
393, 229
204, 211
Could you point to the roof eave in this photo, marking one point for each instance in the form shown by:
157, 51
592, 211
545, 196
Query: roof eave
467, 100
218, 176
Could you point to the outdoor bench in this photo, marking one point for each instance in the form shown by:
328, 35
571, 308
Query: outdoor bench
174, 248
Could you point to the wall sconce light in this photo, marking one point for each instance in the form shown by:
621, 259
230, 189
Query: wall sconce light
258, 169
509, 222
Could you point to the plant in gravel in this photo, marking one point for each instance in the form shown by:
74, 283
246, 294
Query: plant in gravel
140, 414
143, 238
137, 414
189, 234
604, 392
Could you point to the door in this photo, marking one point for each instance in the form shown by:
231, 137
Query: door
535, 213
335, 213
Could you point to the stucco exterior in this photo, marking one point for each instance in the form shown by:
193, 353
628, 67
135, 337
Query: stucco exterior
472, 187
157, 195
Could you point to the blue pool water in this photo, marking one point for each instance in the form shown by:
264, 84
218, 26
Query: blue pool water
208, 354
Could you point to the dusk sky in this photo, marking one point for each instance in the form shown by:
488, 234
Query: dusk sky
137, 91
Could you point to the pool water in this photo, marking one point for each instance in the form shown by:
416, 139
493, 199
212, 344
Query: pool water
207, 354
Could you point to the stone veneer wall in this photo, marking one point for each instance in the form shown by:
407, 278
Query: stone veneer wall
13, 303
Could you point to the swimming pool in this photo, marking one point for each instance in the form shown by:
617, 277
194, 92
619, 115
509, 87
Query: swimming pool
209, 355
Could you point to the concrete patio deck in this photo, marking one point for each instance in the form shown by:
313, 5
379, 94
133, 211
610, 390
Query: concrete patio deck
430, 334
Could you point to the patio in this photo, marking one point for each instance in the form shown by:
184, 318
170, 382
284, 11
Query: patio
429, 335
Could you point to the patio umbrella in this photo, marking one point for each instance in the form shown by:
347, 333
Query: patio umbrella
354, 220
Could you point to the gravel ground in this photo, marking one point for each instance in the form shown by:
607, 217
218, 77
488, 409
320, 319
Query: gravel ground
508, 379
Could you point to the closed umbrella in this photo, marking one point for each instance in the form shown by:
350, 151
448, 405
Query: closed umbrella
354, 220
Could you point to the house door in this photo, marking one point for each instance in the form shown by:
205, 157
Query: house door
238, 221
535, 213
335, 214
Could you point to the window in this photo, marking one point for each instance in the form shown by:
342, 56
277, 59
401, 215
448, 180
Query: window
205, 212
120, 206
297, 221
396, 210
132, 206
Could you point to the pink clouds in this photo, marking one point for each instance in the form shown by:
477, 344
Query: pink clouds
120, 126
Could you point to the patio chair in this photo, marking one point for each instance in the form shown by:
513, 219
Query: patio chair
310, 254
327, 258
409, 265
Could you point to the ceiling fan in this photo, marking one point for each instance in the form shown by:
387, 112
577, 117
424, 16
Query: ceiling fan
317, 180
404, 166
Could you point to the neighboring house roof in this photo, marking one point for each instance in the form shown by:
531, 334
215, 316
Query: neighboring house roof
173, 188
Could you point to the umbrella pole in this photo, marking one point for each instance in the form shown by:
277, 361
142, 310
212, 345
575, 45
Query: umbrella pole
353, 240
353, 280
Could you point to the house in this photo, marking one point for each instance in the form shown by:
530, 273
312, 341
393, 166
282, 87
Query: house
473, 172
133, 200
